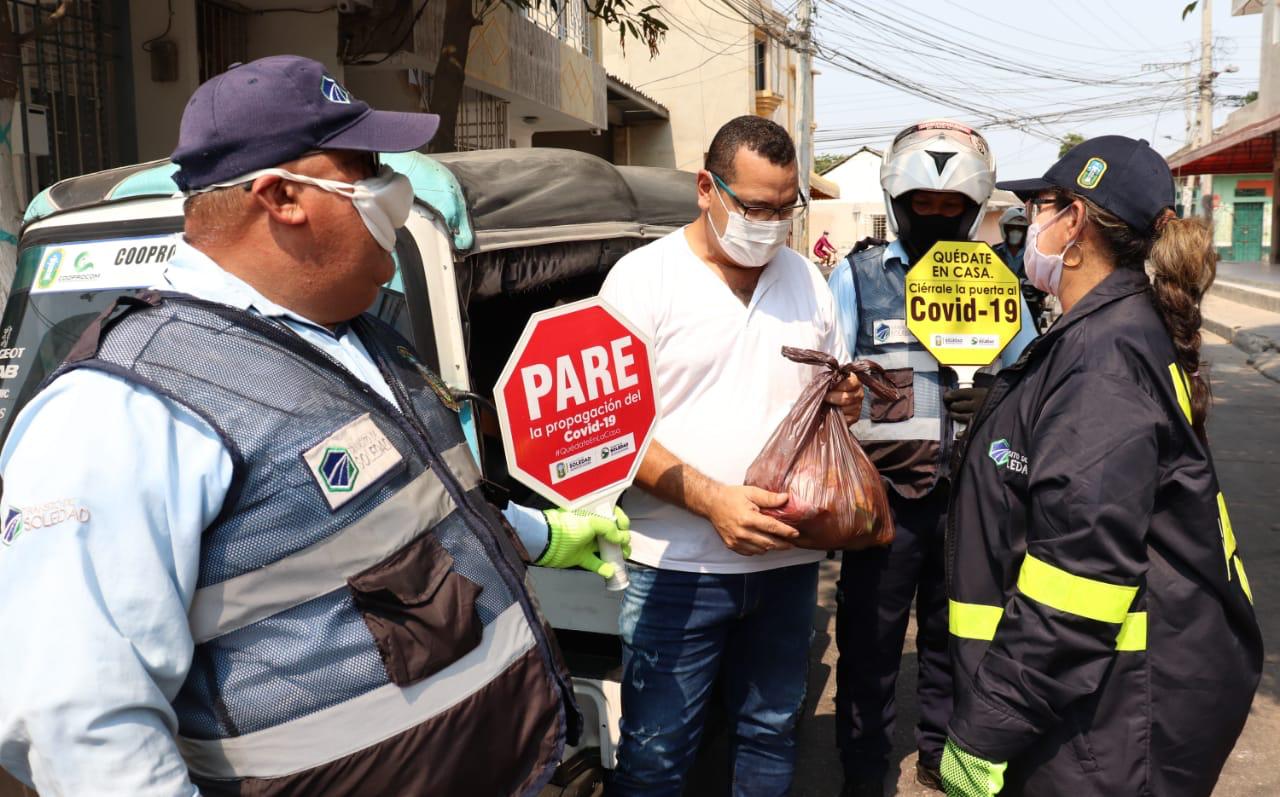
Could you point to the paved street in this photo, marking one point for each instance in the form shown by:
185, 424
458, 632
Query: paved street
1245, 434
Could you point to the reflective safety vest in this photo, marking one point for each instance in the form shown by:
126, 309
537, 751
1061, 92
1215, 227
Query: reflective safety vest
906, 439
1104, 640
362, 621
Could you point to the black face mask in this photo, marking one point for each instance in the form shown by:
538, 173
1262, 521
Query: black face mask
918, 233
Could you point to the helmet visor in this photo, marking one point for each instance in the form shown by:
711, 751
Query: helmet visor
963, 135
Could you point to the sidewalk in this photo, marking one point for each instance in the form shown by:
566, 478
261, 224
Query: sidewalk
1243, 306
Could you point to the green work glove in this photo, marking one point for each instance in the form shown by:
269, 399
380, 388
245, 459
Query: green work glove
965, 775
572, 539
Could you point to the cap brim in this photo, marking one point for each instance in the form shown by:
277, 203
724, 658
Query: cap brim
1025, 188
386, 131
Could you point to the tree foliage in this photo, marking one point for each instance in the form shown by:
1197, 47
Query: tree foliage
825, 163
1069, 141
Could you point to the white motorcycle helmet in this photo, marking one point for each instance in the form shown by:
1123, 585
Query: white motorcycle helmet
937, 155
1013, 215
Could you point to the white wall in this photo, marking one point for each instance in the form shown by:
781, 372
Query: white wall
291, 33
847, 222
702, 90
1269, 63
159, 105
859, 178
384, 89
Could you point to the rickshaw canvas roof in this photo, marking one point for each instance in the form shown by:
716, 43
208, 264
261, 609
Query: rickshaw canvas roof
488, 200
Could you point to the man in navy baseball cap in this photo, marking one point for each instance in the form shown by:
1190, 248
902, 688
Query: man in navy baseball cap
280, 166
1121, 175
264, 113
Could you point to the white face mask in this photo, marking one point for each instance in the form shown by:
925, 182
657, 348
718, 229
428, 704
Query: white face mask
1044, 271
383, 201
1015, 237
750, 244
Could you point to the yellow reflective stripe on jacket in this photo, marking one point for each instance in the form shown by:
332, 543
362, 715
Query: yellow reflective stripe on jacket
973, 620
1180, 388
979, 621
1244, 580
1133, 633
1056, 588
1228, 536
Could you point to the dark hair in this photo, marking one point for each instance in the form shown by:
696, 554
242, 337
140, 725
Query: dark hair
759, 135
1183, 265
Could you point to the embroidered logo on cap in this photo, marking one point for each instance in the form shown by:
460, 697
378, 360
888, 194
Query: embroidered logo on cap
334, 92
1092, 173
351, 460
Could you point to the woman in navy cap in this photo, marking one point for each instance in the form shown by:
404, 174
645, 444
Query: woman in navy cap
1104, 637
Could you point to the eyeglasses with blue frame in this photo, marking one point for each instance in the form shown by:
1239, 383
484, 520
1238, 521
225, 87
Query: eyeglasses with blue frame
764, 212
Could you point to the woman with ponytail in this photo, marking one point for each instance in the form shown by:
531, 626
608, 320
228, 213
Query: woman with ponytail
1102, 626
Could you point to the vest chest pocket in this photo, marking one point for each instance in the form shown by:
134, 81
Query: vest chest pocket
421, 613
903, 408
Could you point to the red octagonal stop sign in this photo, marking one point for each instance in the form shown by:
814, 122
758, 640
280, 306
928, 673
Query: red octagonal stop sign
577, 403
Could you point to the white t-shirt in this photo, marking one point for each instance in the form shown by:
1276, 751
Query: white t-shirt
723, 383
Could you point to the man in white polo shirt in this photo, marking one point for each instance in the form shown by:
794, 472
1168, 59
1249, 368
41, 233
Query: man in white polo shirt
717, 589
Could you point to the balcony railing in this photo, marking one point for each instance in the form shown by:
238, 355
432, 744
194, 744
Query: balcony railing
567, 20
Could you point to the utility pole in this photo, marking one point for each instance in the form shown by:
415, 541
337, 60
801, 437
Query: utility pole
805, 18
1189, 138
1205, 132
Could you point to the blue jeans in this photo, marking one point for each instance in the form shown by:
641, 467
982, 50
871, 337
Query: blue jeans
680, 631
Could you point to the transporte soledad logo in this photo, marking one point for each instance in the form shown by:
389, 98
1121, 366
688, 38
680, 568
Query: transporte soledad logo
999, 452
12, 525
1005, 457
334, 92
881, 332
338, 470
48, 272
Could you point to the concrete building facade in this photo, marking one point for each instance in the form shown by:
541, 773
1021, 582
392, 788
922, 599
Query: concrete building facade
528, 73
713, 65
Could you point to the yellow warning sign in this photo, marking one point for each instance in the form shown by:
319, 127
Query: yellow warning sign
963, 303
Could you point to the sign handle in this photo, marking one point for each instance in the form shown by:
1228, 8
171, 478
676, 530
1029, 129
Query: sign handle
611, 552
965, 375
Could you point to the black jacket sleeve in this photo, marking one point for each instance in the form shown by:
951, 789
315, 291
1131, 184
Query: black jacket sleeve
1092, 483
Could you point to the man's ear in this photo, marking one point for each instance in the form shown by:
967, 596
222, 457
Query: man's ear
706, 185
279, 198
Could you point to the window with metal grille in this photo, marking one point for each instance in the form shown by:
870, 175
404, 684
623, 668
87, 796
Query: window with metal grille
879, 226
74, 72
482, 122
222, 36
567, 20
482, 118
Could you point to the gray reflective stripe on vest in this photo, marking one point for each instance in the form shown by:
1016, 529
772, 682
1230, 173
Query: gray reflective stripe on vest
912, 429
362, 722
326, 566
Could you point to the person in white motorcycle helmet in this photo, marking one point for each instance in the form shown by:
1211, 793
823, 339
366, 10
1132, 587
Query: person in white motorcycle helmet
937, 177
1012, 247
1013, 238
